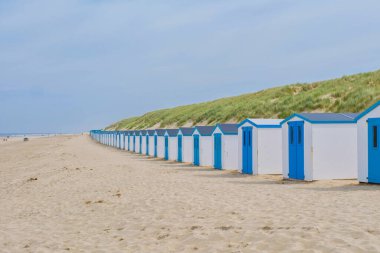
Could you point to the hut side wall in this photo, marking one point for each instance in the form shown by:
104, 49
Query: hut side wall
334, 151
187, 149
269, 153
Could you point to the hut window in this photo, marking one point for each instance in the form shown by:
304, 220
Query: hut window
375, 136
291, 135
299, 135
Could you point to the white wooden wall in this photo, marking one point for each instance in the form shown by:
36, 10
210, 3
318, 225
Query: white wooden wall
161, 146
269, 151
173, 148
187, 149
206, 151
151, 145
143, 145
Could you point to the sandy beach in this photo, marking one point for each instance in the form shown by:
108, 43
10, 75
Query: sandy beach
70, 194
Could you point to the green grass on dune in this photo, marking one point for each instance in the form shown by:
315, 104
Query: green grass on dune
347, 94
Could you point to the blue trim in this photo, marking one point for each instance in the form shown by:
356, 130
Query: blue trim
180, 132
199, 133
371, 108
317, 121
259, 126
217, 126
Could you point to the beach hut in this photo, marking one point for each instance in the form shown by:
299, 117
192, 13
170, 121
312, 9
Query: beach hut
260, 146
134, 141
130, 140
159, 143
138, 141
225, 146
368, 127
119, 139
171, 144
143, 142
150, 142
125, 140
203, 145
320, 146
185, 144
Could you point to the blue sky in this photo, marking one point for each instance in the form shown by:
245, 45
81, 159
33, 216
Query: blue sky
75, 65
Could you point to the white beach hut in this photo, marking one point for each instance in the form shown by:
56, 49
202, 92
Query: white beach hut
143, 142
203, 145
368, 127
125, 147
260, 146
129, 140
134, 141
171, 144
320, 146
150, 142
159, 143
138, 141
185, 144
225, 143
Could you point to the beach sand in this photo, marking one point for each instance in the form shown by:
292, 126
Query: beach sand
71, 194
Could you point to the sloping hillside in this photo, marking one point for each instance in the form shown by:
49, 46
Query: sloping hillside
347, 94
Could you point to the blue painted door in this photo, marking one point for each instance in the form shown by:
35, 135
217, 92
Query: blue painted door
140, 144
218, 151
296, 150
247, 150
166, 148
179, 158
196, 150
373, 150
134, 143
147, 144
155, 146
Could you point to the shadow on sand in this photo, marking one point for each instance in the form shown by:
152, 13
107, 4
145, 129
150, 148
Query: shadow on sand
350, 187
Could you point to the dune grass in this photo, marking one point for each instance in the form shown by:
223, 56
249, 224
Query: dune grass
347, 94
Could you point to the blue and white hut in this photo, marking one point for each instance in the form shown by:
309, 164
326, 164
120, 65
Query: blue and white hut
260, 146
171, 144
142, 142
185, 144
320, 146
150, 142
159, 143
368, 124
225, 142
203, 145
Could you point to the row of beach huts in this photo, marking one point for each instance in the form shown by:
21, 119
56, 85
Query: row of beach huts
304, 146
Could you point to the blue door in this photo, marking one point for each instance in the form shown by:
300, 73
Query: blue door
166, 148
134, 143
296, 150
179, 158
247, 150
155, 146
140, 144
218, 151
147, 144
196, 150
373, 151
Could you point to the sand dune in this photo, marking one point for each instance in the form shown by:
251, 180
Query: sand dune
70, 194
